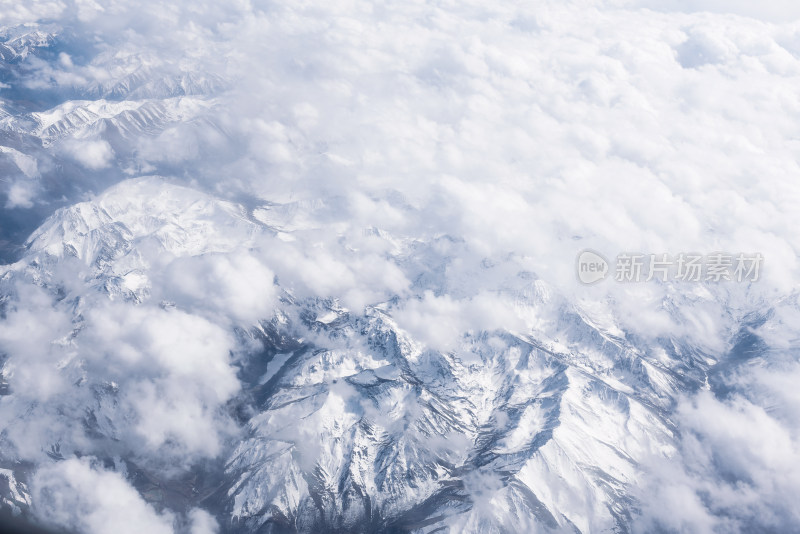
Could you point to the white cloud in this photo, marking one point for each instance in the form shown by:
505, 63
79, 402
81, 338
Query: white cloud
736, 471
238, 286
65, 60
164, 377
32, 329
174, 373
440, 321
12, 12
82, 496
20, 195
777, 11
443, 156
201, 522
94, 155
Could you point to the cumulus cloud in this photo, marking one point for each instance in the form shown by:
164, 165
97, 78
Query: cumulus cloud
735, 468
155, 378
436, 160
201, 522
238, 286
735, 471
20, 195
94, 155
16, 13
80, 496
33, 329
175, 371
780, 11
441, 321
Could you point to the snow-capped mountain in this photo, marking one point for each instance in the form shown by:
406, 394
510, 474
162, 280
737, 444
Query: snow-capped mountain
312, 268
349, 422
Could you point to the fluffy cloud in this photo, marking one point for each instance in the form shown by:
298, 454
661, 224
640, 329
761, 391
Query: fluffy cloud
33, 329
174, 369
237, 286
77, 495
736, 471
20, 195
155, 378
440, 158
16, 13
440, 322
94, 155
201, 522
780, 11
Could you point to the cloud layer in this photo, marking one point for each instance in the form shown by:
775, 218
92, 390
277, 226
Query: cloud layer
445, 161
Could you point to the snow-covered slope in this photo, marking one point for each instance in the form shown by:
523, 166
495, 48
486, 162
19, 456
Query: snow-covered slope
309, 267
351, 423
